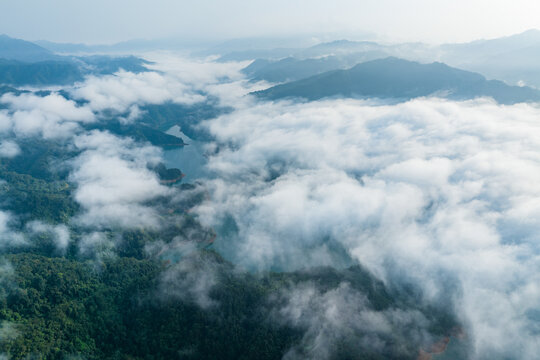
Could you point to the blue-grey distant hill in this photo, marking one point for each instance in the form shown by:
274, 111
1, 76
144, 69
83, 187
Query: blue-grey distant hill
334, 49
256, 47
479, 49
290, 68
20, 50
513, 58
25, 63
63, 72
400, 79
342, 49
14, 72
124, 47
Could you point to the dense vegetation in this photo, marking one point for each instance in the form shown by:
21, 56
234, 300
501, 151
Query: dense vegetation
68, 307
36, 199
117, 310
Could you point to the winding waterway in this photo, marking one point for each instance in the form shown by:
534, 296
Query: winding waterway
190, 159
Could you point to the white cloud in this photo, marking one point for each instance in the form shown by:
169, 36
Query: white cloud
119, 92
97, 244
191, 278
223, 81
440, 190
8, 236
114, 183
341, 321
9, 149
5, 121
60, 233
50, 117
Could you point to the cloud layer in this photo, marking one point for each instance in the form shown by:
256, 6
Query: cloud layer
48, 117
114, 182
443, 195
437, 193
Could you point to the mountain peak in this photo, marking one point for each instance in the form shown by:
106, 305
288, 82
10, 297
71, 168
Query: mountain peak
22, 50
527, 38
530, 32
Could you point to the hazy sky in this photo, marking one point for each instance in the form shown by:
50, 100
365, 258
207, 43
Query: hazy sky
106, 21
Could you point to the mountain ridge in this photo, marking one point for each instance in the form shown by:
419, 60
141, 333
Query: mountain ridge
22, 50
400, 79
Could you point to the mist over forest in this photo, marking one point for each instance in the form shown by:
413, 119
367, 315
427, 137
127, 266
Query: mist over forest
270, 198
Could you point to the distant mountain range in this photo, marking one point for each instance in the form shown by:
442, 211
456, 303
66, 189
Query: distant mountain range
290, 68
492, 47
337, 48
66, 71
400, 79
25, 63
20, 50
514, 59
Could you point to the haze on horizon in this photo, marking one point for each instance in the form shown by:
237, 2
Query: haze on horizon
103, 21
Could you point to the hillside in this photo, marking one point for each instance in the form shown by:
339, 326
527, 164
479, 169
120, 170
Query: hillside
15, 49
39, 73
291, 68
400, 79
25, 63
